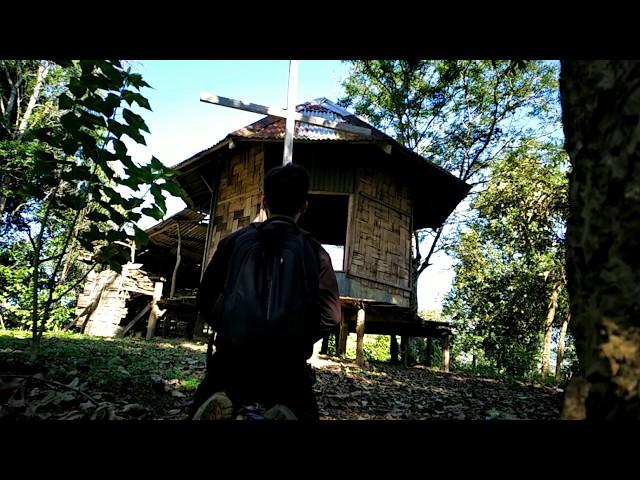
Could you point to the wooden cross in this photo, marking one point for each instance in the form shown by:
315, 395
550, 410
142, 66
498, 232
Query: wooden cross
290, 113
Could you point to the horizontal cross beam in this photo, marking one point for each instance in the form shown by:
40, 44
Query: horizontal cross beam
276, 112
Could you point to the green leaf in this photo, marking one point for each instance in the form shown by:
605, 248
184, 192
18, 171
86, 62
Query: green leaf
45, 162
135, 120
96, 216
131, 97
153, 212
115, 127
112, 102
158, 197
90, 119
63, 63
132, 182
65, 102
134, 216
77, 88
115, 266
77, 172
172, 187
136, 80
99, 81
131, 203
140, 236
70, 146
119, 147
114, 235
70, 122
134, 134
112, 70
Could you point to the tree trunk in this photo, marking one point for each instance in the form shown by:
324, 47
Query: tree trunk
41, 75
14, 102
601, 118
560, 349
73, 253
548, 329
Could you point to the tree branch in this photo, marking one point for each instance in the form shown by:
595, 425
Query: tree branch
53, 383
74, 285
426, 263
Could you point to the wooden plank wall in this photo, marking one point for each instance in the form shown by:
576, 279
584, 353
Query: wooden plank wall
110, 309
380, 253
239, 195
106, 294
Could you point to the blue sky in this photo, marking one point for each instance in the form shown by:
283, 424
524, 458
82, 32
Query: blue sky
181, 125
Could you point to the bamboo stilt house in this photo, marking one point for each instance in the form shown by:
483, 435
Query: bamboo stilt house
368, 195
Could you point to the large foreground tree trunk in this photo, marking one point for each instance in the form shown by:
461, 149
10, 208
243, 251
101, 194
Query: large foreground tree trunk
601, 117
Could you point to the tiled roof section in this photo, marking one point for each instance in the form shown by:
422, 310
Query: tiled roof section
274, 127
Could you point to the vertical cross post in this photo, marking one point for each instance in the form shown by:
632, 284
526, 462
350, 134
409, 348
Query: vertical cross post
360, 338
291, 110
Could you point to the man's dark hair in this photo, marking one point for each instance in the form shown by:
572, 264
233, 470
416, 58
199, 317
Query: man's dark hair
286, 189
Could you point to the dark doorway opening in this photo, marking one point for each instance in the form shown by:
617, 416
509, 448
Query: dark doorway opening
326, 219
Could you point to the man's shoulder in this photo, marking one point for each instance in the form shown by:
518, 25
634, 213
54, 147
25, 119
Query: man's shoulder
318, 249
233, 237
317, 246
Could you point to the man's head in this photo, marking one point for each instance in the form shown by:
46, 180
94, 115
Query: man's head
285, 191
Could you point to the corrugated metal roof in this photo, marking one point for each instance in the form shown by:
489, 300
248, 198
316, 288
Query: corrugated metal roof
273, 128
193, 231
427, 177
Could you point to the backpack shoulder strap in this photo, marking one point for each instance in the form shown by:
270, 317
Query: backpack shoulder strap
241, 247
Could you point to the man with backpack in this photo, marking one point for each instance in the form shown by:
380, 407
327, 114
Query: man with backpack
269, 293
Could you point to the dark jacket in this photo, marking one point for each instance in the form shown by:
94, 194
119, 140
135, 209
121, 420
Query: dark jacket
216, 273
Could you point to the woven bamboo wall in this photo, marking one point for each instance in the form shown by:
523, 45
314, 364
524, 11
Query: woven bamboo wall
380, 237
239, 196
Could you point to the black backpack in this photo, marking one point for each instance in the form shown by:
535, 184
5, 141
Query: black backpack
270, 298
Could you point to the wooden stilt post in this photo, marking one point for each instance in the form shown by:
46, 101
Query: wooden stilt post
324, 349
198, 329
155, 311
404, 349
411, 358
135, 320
445, 353
175, 269
428, 361
393, 348
360, 334
344, 334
